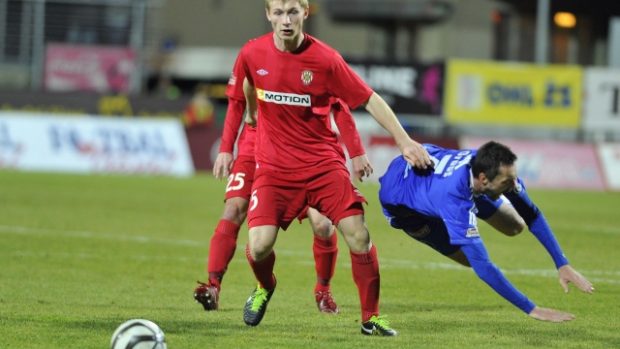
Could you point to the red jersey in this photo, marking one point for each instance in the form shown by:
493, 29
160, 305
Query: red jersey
294, 91
235, 116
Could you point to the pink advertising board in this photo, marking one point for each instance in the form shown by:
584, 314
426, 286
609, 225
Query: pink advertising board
552, 165
88, 68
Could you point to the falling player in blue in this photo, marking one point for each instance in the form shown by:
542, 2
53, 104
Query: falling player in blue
440, 208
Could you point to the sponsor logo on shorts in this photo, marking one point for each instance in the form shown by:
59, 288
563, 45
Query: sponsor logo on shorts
283, 98
472, 233
306, 77
262, 72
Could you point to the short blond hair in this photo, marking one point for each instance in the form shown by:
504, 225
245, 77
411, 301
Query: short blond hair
303, 3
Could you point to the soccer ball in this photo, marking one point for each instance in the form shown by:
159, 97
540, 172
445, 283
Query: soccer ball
138, 334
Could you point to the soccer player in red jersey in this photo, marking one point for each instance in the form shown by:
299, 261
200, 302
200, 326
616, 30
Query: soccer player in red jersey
299, 162
240, 179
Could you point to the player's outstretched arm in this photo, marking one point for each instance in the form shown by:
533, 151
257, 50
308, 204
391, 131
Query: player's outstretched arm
223, 163
551, 315
539, 227
569, 275
413, 151
478, 258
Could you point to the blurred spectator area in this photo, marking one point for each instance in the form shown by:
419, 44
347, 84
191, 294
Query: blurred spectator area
179, 44
28, 26
167, 48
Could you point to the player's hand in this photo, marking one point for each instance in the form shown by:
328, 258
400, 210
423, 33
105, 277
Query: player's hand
416, 155
223, 163
361, 167
249, 119
567, 275
551, 315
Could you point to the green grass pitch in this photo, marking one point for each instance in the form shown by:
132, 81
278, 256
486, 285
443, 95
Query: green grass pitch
81, 254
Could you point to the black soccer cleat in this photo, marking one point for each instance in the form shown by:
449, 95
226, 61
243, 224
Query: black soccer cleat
256, 305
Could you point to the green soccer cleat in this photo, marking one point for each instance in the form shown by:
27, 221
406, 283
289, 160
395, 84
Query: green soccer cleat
379, 326
256, 305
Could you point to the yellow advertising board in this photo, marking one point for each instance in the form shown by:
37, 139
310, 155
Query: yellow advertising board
484, 92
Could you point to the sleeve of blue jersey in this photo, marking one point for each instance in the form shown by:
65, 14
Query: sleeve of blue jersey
479, 260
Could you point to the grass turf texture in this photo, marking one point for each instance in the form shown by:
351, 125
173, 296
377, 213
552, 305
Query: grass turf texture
82, 254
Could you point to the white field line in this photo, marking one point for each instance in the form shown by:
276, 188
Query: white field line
595, 276
586, 228
17, 230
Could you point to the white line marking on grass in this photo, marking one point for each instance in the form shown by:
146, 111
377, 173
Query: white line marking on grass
387, 263
99, 235
88, 256
602, 276
548, 273
597, 229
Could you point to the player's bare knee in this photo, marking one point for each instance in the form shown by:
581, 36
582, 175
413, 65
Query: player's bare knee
355, 233
259, 250
323, 229
235, 210
515, 228
460, 258
515, 232
358, 241
261, 240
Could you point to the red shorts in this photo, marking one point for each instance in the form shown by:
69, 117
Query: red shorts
279, 197
241, 177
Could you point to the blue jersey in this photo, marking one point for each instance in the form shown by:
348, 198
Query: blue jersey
444, 193
413, 199
432, 206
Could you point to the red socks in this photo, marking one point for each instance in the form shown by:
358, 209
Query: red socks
221, 250
365, 267
263, 270
325, 253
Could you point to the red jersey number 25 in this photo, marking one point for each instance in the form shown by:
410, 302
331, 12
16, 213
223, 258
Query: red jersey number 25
235, 181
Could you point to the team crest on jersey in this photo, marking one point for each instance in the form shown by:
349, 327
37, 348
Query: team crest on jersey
306, 77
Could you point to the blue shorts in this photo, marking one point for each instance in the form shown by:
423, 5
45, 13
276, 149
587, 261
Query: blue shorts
428, 230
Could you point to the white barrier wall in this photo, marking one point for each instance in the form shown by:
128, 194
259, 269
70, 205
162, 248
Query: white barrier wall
610, 159
601, 101
41, 142
552, 165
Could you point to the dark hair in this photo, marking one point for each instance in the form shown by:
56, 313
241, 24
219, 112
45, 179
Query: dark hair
490, 157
